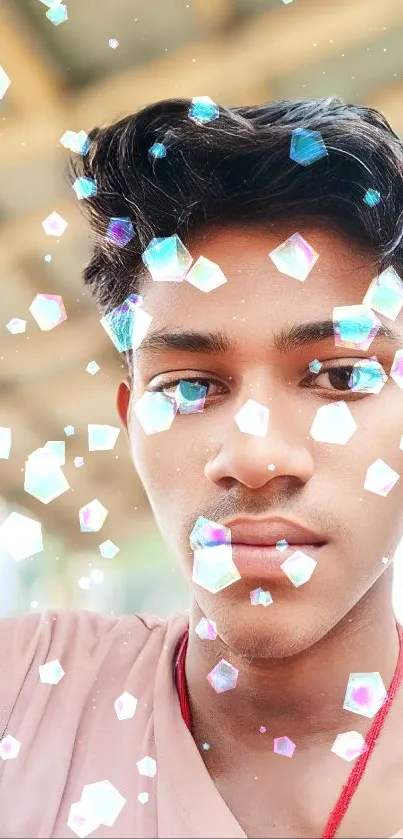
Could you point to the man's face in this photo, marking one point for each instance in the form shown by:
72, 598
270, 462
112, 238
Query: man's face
206, 466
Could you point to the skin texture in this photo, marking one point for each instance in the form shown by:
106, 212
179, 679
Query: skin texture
295, 656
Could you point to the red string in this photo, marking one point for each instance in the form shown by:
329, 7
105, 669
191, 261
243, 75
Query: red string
180, 679
349, 788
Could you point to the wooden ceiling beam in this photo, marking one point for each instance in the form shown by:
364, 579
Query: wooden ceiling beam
276, 43
55, 352
213, 15
389, 101
33, 90
33, 423
24, 234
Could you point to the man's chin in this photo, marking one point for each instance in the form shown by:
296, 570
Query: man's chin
281, 629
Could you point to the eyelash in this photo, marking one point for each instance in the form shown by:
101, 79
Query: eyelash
311, 378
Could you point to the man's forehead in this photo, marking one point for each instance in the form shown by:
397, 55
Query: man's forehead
258, 302
250, 241
244, 256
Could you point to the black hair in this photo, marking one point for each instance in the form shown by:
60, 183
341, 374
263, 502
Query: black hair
236, 169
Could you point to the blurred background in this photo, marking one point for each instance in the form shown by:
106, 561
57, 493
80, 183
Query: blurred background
85, 64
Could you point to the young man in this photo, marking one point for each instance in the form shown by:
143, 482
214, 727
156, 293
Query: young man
263, 407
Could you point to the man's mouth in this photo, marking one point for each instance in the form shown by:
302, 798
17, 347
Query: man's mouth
270, 532
260, 547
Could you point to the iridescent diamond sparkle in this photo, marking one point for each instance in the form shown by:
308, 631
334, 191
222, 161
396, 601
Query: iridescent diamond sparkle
372, 197
295, 257
258, 597
108, 549
147, 766
190, 397
92, 368
284, 746
127, 324
206, 630
44, 478
9, 747
368, 376
315, 365
349, 745
5, 443
396, 371
158, 150
307, 146
380, 478
21, 536
120, 231
100, 805
214, 568
76, 141
355, 326
48, 311
92, 516
167, 259
282, 545
4, 82
223, 677
51, 673
253, 418
205, 275
57, 13
333, 423
125, 706
385, 294
54, 225
16, 326
203, 109
299, 568
84, 188
102, 438
207, 534
155, 412
365, 694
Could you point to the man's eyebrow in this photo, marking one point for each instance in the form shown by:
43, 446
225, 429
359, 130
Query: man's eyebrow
305, 334
218, 343
214, 343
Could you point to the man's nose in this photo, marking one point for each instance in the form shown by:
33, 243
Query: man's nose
254, 460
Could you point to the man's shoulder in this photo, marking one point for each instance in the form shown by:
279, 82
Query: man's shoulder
90, 629
79, 648
78, 637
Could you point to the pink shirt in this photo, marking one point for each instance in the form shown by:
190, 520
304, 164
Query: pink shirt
71, 738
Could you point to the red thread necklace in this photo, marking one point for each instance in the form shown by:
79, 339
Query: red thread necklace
357, 772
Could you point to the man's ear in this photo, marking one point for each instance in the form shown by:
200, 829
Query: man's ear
123, 400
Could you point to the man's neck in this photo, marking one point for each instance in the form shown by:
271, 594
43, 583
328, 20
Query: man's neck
300, 696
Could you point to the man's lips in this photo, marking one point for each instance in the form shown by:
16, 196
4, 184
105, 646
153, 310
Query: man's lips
255, 550
268, 532
254, 542
265, 561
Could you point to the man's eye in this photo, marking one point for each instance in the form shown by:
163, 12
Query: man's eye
363, 376
366, 376
339, 377
196, 388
